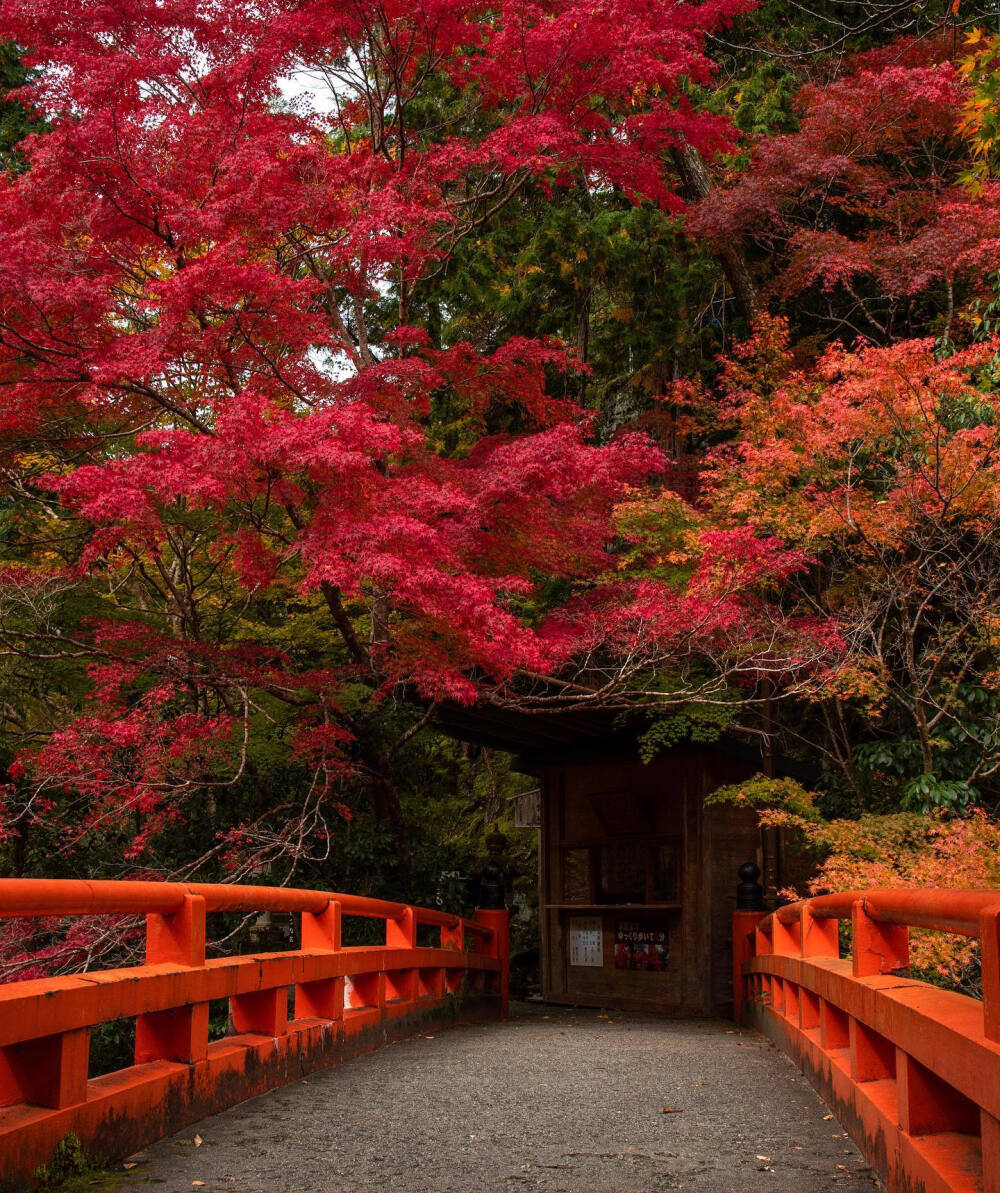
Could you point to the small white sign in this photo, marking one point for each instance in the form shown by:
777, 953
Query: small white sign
528, 810
586, 941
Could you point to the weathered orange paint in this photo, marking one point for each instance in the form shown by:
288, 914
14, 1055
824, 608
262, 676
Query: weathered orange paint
877, 947
912, 1071
346, 1000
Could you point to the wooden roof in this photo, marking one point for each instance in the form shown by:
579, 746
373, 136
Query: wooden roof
540, 739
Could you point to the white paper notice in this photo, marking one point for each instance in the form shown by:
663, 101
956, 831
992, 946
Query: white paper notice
586, 941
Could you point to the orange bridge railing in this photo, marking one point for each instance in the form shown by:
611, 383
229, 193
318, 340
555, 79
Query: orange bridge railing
912, 1071
344, 1000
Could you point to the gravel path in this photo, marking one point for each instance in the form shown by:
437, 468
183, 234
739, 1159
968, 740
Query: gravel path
552, 1101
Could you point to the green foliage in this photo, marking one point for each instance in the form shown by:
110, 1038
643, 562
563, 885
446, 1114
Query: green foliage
981, 117
699, 724
656, 538
16, 121
68, 1165
763, 794
760, 100
982, 315
621, 284
894, 769
112, 1046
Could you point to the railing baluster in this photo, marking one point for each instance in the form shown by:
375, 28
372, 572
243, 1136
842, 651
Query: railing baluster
179, 1033
402, 933
877, 948
50, 1072
928, 1105
989, 955
785, 938
989, 1128
453, 937
177, 937
818, 937
321, 998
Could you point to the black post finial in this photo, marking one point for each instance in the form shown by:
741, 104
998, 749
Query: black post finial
492, 888
749, 893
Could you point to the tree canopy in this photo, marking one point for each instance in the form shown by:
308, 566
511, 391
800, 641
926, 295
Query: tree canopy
360, 360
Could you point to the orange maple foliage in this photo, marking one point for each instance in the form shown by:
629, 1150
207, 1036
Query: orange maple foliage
902, 849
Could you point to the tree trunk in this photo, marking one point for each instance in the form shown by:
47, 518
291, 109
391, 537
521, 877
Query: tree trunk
697, 183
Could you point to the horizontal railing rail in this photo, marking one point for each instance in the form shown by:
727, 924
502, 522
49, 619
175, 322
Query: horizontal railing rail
290, 1012
912, 1070
38, 897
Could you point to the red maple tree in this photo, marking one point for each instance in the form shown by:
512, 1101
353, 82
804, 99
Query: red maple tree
863, 209
212, 352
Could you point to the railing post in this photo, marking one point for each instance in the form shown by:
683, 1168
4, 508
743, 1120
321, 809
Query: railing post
498, 946
493, 914
50, 1071
785, 940
748, 914
877, 948
989, 956
178, 938
323, 998
180, 1034
818, 937
453, 938
989, 1130
402, 933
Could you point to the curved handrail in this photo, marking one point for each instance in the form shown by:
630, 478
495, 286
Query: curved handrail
936, 908
912, 1070
35, 897
290, 1012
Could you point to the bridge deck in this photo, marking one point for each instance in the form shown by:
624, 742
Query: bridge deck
555, 1101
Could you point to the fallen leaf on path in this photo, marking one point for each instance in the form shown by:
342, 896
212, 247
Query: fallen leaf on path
670, 1110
